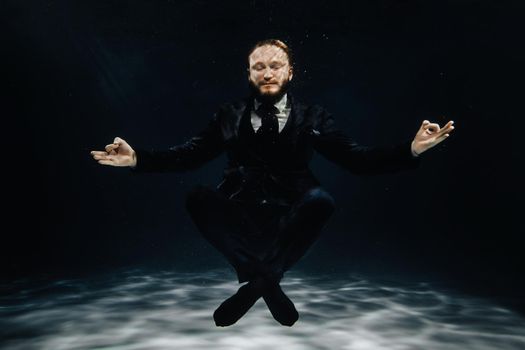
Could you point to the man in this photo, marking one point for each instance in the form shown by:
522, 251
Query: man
269, 209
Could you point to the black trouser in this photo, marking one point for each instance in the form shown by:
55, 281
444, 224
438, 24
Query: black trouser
260, 238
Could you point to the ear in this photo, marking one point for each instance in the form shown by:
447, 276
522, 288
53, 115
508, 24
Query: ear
290, 73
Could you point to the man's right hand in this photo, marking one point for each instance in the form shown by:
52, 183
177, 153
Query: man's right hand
118, 153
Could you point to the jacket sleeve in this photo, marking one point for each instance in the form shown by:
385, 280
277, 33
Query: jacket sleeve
334, 145
192, 154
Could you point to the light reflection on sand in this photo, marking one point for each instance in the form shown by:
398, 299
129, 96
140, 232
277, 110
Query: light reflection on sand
169, 310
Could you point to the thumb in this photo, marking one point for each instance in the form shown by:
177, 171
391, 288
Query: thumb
118, 140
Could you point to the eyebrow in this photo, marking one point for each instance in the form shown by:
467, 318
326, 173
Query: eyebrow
272, 62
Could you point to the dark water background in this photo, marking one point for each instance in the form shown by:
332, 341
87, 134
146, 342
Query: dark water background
77, 74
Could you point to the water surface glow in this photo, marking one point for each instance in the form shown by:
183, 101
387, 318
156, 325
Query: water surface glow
170, 310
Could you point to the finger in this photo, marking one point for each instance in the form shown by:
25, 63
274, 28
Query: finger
449, 124
438, 140
105, 157
441, 138
424, 124
98, 153
100, 156
447, 128
432, 127
111, 147
106, 162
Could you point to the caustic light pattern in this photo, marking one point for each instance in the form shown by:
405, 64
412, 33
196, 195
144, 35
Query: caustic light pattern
169, 310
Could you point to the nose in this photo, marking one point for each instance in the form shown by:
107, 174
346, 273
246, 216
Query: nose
268, 74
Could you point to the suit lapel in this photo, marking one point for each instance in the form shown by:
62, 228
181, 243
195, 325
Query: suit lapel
296, 115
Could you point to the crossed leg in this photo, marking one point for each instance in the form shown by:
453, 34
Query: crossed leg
259, 254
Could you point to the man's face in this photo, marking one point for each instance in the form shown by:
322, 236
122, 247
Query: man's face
269, 71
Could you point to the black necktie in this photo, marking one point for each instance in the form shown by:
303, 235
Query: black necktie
269, 129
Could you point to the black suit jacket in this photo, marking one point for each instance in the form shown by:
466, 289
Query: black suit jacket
284, 175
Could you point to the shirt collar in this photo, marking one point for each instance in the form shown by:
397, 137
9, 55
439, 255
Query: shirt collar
281, 104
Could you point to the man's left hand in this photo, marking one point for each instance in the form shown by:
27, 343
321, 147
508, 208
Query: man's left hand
429, 135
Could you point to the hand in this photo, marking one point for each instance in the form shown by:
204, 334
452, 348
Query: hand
429, 135
118, 153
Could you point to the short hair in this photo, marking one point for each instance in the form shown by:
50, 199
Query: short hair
274, 42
